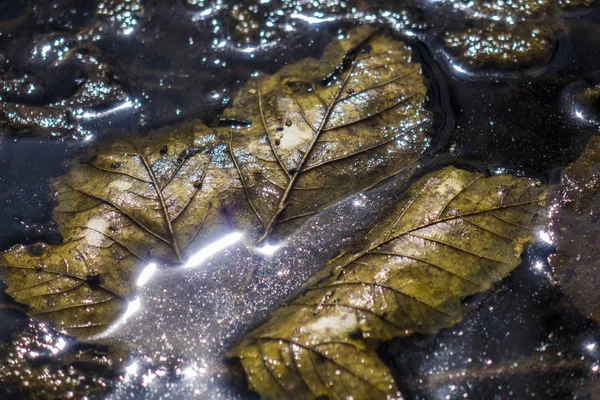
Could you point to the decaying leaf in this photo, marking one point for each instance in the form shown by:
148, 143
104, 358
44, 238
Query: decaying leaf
320, 131
452, 234
303, 356
61, 118
134, 203
356, 112
515, 11
520, 35
576, 231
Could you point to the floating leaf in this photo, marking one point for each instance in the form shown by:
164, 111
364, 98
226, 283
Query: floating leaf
507, 40
515, 11
300, 354
320, 131
575, 229
453, 234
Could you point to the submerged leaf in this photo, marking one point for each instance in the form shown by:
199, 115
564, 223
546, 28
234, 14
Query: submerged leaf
321, 130
295, 357
453, 234
575, 229
134, 203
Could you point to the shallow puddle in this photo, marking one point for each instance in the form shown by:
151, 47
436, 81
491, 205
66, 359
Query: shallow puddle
512, 88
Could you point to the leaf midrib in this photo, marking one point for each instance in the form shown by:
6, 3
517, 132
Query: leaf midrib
432, 223
173, 242
305, 157
315, 351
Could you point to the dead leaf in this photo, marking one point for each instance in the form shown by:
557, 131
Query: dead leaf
134, 203
38, 363
321, 130
453, 234
357, 112
518, 46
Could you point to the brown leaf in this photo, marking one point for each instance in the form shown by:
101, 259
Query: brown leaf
324, 129
136, 202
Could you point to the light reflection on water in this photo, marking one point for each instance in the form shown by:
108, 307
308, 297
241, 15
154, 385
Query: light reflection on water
544, 236
268, 249
121, 107
198, 325
195, 312
146, 274
197, 259
212, 249
132, 309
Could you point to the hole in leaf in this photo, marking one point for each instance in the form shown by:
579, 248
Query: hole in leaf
93, 281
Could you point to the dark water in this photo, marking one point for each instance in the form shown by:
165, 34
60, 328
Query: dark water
91, 73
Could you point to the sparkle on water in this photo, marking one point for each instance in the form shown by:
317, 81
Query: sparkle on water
188, 316
212, 249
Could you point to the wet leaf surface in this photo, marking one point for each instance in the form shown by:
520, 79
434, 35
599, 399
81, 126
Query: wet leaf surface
186, 59
31, 107
576, 231
356, 112
315, 139
519, 10
507, 39
452, 234
133, 203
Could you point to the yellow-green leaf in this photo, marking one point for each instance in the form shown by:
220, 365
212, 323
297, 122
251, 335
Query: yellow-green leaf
297, 354
452, 234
